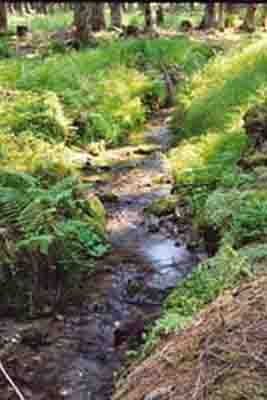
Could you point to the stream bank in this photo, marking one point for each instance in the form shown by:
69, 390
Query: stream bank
75, 354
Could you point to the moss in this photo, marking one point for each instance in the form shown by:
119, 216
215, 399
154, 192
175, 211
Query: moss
96, 213
162, 206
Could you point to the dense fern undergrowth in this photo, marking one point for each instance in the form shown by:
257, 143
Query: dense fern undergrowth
221, 173
50, 106
104, 91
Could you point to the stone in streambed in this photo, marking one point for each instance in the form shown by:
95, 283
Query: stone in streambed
162, 393
109, 197
146, 149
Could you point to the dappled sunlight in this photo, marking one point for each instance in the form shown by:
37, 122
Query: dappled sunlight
133, 179
214, 104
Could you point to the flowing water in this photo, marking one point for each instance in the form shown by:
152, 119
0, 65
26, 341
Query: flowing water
87, 344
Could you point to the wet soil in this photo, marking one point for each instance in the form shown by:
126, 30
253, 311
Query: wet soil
75, 354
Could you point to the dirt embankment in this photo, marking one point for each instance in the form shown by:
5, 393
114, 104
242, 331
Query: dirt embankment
222, 355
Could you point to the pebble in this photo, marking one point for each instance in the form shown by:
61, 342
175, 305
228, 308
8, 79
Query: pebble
159, 394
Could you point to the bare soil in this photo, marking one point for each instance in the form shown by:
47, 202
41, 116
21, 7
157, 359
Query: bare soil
222, 355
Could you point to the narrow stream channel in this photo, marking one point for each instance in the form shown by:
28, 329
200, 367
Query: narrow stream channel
140, 270
144, 267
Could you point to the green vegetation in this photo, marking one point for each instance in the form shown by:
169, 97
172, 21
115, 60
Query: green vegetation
78, 86
209, 124
216, 98
83, 82
207, 281
42, 23
45, 229
210, 128
49, 103
162, 206
39, 113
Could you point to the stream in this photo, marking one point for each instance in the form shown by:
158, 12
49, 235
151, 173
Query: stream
86, 346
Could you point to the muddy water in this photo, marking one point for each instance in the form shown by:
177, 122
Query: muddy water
141, 268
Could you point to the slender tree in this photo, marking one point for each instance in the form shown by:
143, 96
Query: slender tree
229, 12
18, 5
82, 21
98, 18
148, 17
221, 15
209, 19
3, 17
249, 24
27, 7
159, 15
116, 16
264, 16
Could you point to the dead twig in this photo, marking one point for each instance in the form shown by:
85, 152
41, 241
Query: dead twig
10, 381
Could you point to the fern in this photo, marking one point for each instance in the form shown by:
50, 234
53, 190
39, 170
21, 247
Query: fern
51, 221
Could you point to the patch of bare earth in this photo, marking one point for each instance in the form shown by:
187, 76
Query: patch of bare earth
222, 355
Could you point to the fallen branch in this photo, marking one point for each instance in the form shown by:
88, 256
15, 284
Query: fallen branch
10, 381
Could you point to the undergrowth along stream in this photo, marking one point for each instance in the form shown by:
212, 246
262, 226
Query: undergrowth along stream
215, 168
219, 168
52, 105
53, 227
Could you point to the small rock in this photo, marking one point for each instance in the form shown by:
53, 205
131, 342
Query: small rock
153, 224
159, 394
108, 197
146, 149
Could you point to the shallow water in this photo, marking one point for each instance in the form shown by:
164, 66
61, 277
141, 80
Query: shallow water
145, 267
140, 270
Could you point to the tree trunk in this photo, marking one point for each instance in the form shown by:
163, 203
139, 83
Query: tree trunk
130, 7
159, 15
82, 21
116, 17
51, 8
173, 8
148, 17
98, 17
229, 11
209, 20
3, 17
250, 18
27, 6
221, 16
43, 8
18, 7
264, 16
